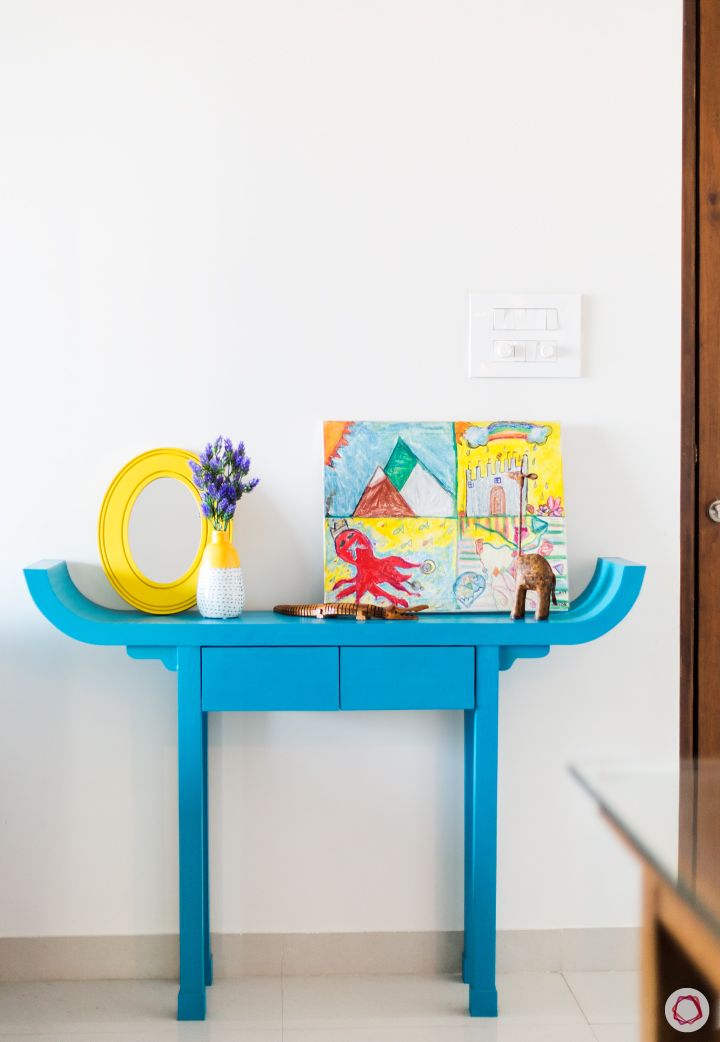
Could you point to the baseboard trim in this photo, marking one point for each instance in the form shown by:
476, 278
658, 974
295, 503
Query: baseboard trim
304, 954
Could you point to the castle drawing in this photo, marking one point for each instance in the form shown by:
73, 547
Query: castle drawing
496, 491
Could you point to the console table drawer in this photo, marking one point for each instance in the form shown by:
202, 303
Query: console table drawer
407, 678
258, 679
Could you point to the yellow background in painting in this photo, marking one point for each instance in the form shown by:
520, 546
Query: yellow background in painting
392, 535
543, 460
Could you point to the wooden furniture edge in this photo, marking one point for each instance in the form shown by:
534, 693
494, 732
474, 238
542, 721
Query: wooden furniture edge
607, 599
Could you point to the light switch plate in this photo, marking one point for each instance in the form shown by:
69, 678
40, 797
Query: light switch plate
536, 335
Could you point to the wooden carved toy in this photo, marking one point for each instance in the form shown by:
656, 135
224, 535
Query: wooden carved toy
349, 609
532, 571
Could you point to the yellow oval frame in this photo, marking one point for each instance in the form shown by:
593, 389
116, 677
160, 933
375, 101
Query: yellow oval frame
114, 527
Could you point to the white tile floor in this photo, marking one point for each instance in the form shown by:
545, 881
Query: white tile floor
534, 1007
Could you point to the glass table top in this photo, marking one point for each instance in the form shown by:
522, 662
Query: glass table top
670, 815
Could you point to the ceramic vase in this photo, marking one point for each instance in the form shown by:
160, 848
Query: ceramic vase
221, 590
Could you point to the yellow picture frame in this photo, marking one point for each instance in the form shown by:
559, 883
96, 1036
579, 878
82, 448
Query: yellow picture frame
125, 577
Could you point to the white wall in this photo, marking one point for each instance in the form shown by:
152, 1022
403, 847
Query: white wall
248, 216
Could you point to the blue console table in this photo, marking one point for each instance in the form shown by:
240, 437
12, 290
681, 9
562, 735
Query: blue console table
263, 661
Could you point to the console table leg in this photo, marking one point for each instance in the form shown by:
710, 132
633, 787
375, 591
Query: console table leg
191, 997
468, 816
206, 858
481, 737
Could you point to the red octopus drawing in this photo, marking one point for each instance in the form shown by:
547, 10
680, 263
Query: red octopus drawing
354, 547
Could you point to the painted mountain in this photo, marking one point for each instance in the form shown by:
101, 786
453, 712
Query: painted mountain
381, 498
404, 488
429, 513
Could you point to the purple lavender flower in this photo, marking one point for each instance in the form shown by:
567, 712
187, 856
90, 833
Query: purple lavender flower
219, 478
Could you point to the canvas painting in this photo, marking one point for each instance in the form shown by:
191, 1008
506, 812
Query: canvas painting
430, 513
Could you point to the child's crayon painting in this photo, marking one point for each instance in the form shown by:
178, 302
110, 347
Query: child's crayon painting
428, 513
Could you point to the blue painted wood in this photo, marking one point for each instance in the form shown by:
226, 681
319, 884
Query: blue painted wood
259, 679
191, 997
509, 655
468, 718
166, 655
407, 678
263, 661
207, 952
481, 729
607, 599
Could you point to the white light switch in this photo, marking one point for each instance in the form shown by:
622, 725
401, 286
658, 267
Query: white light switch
510, 350
504, 349
525, 334
524, 318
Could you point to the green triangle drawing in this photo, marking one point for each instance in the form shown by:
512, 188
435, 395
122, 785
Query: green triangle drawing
401, 462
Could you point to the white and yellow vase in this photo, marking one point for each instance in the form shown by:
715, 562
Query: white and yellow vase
221, 590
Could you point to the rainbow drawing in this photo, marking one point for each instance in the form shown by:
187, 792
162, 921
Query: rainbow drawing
477, 435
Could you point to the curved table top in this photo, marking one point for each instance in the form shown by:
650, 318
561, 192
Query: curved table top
607, 599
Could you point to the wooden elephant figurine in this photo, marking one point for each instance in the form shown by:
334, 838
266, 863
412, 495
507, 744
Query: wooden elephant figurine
533, 572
